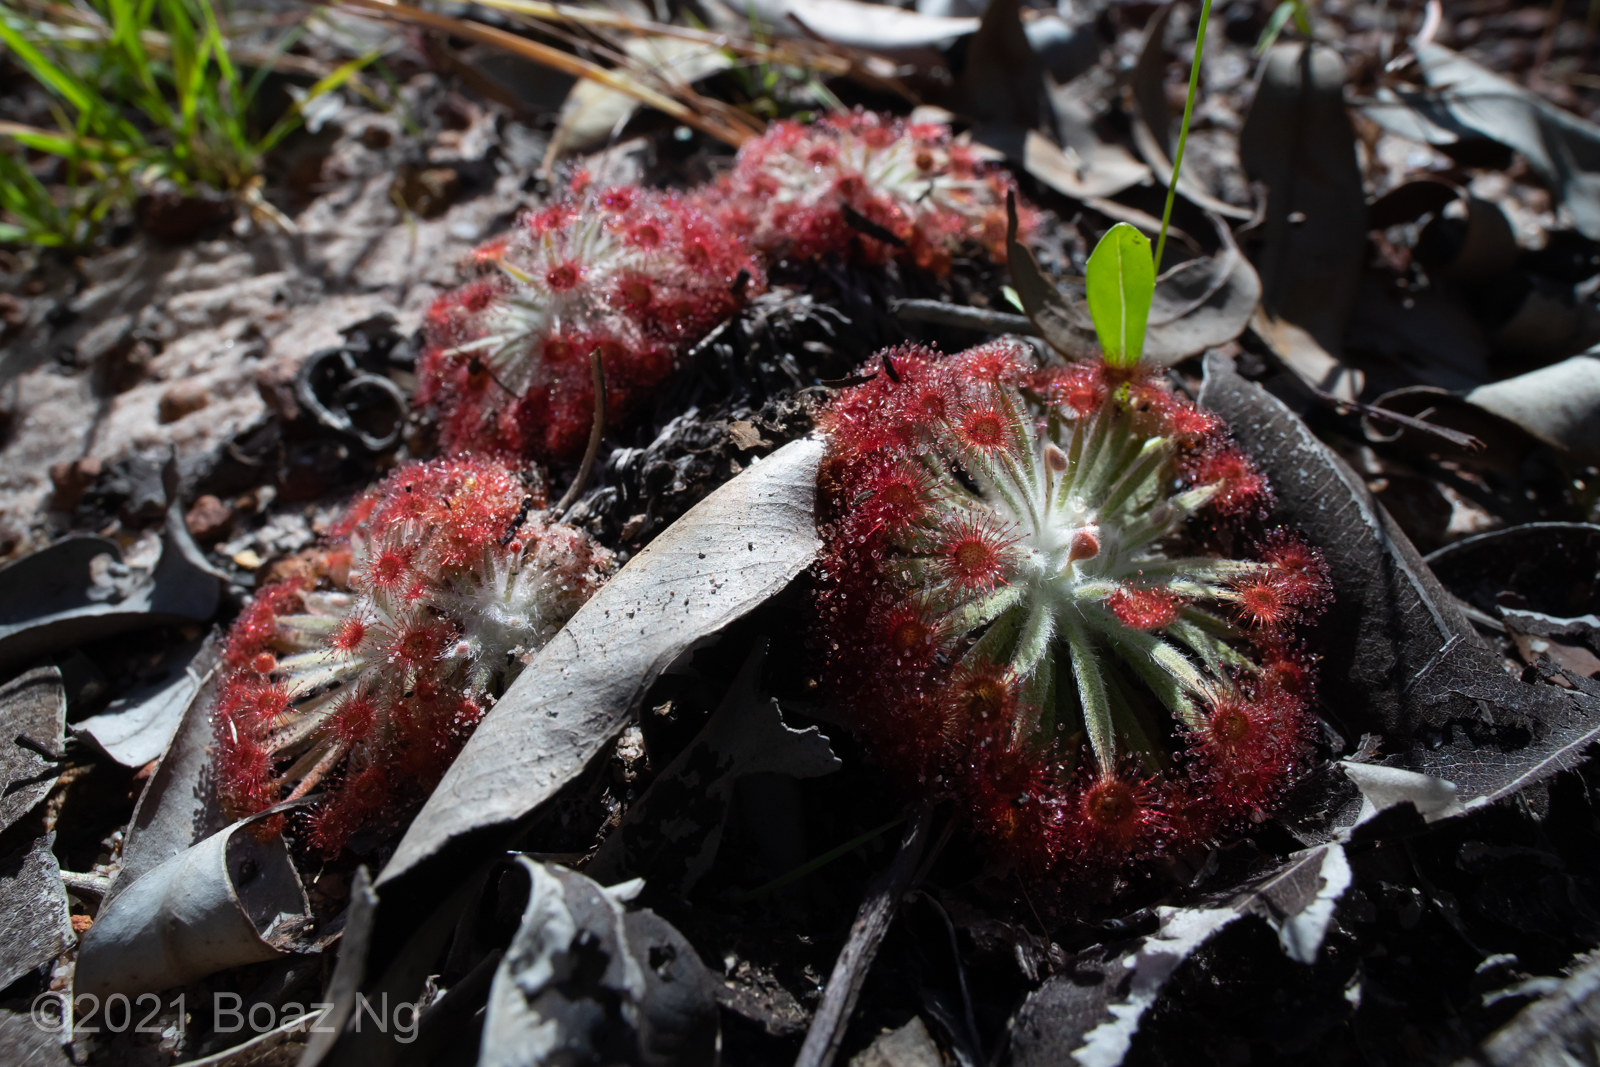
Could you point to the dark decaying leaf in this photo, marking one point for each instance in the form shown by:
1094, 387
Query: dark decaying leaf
1399, 656
587, 980
1001, 86
33, 714
232, 899
137, 728
1089, 1013
1299, 141
671, 833
727, 556
1198, 304
79, 590
35, 926
1552, 567
349, 973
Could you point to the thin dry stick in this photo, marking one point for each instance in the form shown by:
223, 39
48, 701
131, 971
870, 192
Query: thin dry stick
713, 126
877, 911
596, 368
828, 62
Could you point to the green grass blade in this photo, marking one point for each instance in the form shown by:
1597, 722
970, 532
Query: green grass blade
65, 85
1120, 282
1183, 131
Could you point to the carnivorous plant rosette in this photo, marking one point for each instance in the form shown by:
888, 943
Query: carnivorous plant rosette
633, 274
791, 191
454, 581
1018, 605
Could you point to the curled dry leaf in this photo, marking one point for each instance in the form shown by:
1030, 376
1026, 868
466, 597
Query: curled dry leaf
1463, 101
1089, 1014
640, 995
670, 834
79, 590
179, 805
1560, 405
729, 554
1399, 657
593, 113
232, 899
135, 729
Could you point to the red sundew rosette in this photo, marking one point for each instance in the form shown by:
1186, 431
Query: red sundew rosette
367, 696
635, 275
912, 547
789, 189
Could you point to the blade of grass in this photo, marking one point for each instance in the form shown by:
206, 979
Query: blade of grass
1183, 131
52, 76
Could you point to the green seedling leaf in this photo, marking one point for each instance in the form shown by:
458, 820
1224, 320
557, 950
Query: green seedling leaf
1121, 282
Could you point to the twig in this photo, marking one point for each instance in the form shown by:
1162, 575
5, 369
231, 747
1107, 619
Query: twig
855, 959
1409, 422
941, 313
597, 368
554, 58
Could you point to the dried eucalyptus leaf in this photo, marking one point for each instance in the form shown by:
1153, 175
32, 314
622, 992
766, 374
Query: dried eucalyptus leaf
1398, 655
1086, 171
179, 805
233, 899
34, 707
137, 728
79, 590
35, 924
877, 27
1089, 1013
587, 980
728, 555
670, 834
592, 113
1466, 100
1560, 405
